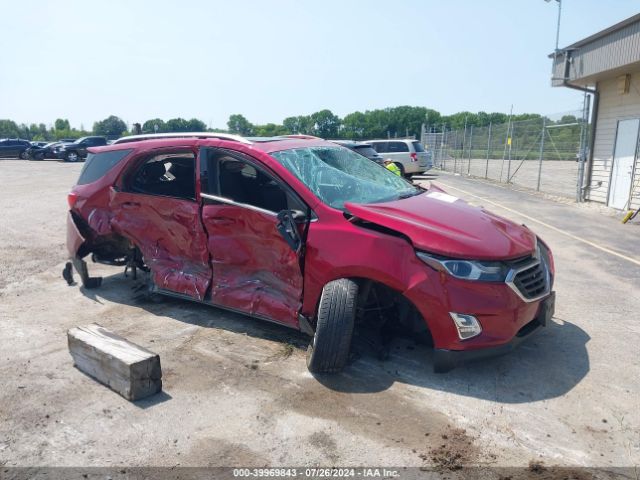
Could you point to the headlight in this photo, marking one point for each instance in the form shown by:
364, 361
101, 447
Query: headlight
467, 269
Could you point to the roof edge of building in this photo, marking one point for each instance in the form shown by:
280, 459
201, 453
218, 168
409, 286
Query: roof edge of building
602, 33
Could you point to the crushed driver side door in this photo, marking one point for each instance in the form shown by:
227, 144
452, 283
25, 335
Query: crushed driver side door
254, 269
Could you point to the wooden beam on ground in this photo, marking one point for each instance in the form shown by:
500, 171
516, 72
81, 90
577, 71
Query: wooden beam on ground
128, 369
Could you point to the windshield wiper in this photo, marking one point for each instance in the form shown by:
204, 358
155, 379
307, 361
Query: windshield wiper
417, 191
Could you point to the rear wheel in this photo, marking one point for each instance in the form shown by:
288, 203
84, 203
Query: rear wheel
23, 155
72, 157
329, 349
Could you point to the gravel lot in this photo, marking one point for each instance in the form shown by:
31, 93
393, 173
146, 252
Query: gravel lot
237, 392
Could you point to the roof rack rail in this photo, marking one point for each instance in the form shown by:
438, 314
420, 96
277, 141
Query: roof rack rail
302, 136
159, 136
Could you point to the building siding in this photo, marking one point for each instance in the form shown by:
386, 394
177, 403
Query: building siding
612, 51
613, 107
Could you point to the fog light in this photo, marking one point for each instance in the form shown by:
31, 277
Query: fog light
468, 326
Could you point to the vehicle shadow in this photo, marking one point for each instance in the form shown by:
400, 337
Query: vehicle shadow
548, 365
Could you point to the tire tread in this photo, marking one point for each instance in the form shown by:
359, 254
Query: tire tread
334, 328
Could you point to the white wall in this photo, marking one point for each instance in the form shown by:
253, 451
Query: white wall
613, 107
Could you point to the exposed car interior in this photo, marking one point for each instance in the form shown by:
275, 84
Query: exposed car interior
243, 183
169, 175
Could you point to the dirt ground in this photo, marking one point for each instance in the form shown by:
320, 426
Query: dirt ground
237, 392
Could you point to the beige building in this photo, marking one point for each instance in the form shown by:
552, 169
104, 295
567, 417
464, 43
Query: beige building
607, 65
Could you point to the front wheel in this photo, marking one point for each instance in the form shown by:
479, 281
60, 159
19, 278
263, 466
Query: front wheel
329, 349
23, 155
72, 157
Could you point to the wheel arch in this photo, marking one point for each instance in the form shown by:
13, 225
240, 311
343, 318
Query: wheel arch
366, 283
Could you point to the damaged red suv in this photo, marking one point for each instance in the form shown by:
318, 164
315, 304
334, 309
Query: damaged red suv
311, 235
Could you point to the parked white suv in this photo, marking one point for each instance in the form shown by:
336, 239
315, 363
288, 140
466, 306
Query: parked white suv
408, 155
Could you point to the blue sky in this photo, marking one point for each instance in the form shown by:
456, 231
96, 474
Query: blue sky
84, 60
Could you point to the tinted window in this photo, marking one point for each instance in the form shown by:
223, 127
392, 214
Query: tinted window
398, 147
168, 175
417, 146
380, 147
97, 164
367, 151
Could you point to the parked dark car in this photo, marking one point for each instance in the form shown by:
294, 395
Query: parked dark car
46, 151
364, 149
76, 151
14, 147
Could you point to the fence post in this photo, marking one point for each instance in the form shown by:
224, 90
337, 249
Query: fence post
443, 161
486, 169
544, 132
455, 150
510, 145
470, 147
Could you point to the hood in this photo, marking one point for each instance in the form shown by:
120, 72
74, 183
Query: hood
445, 225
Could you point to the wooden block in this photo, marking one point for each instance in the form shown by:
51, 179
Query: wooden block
132, 371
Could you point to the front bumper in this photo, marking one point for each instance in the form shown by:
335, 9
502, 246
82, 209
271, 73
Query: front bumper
445, 360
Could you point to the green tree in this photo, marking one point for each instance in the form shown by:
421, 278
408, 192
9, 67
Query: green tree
302, 124
111, 126
325, 124
9, 128
196, 125
62, 124
354, 126
150, 126
177, 125
270, 130
240, 125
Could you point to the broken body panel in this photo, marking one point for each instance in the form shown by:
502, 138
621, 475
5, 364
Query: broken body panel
235, 257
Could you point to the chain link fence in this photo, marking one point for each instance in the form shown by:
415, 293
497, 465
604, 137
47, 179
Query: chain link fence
546, 154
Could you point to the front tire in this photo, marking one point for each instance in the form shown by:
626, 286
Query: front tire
23, 155
72, 157
329, 349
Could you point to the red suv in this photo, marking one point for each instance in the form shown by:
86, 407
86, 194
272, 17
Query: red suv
303, 232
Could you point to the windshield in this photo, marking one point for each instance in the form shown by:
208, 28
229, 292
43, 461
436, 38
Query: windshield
338, 175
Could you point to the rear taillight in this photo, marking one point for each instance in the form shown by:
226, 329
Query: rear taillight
72, 198
414, 157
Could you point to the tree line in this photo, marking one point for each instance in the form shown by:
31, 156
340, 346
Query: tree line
402, 121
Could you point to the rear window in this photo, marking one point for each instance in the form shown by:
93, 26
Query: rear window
366, 151
417, 146
97, 164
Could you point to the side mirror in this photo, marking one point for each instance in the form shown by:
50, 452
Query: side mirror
288, 228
